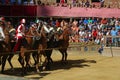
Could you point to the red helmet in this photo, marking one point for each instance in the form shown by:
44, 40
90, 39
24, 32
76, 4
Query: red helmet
23, 21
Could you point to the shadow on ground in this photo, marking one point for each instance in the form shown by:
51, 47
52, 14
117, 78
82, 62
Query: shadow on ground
56, 65
71, 64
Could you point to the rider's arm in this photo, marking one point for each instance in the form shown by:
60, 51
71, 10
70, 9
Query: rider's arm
2, 33
46, 29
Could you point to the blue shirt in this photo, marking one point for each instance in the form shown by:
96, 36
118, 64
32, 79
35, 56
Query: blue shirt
117, 28
113, 33
85, 21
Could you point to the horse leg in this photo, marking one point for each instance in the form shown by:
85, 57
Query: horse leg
0, 59
62, 52
4, 58
21, 59
49, 59
66, 55
9, 60
34, 55
12, 44
27, 60
37, 62
39, 56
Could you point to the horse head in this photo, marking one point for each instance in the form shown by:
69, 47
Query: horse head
12, 33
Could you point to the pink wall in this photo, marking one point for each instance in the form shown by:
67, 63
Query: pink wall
57, 11
77, 12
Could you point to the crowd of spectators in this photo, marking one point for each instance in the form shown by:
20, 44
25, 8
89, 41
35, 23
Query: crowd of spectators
64, 3
85, 29
88, 29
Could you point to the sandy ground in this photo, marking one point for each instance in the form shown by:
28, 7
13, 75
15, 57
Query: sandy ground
80, 66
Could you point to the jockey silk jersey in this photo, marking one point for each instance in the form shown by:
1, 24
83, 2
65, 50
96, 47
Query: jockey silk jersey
20, 31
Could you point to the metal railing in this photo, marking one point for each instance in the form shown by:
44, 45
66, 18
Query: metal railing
113, 41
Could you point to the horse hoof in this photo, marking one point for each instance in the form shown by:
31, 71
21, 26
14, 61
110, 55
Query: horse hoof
12, 69
0, 62
23, 73
2, 72
38, 70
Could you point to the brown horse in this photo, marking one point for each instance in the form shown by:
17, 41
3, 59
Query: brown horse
7, 49
60, 42
63, 42
40, 43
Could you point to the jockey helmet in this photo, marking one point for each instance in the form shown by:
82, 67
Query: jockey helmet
23, 21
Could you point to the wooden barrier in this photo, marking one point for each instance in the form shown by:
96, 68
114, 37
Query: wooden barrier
111, 51
72, 46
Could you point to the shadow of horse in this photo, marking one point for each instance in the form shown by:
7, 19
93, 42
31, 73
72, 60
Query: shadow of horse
57, 65
71, 64
17, 73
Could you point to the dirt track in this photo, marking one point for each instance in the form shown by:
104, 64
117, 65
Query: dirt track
80, 66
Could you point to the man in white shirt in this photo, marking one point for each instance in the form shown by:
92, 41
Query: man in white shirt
2, 37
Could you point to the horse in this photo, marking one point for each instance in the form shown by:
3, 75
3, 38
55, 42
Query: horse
58, 41
63, 42
9, 44
40, 43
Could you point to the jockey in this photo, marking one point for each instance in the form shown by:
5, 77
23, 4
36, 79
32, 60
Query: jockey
2, 21
20, 34
38, 25
47, 28
2, 37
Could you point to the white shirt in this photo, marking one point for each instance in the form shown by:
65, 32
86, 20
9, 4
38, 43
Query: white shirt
2, 34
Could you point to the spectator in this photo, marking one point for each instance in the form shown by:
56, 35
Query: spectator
57, 23
90, 20
80, 21
83, 3
85, 21
117, 27
94, 33
103, 23
39, 2
113, 34
102, 3
87, 3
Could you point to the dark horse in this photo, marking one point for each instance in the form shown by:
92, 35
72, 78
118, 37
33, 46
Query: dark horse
63, 42
60, 42
9, 43
39, 44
